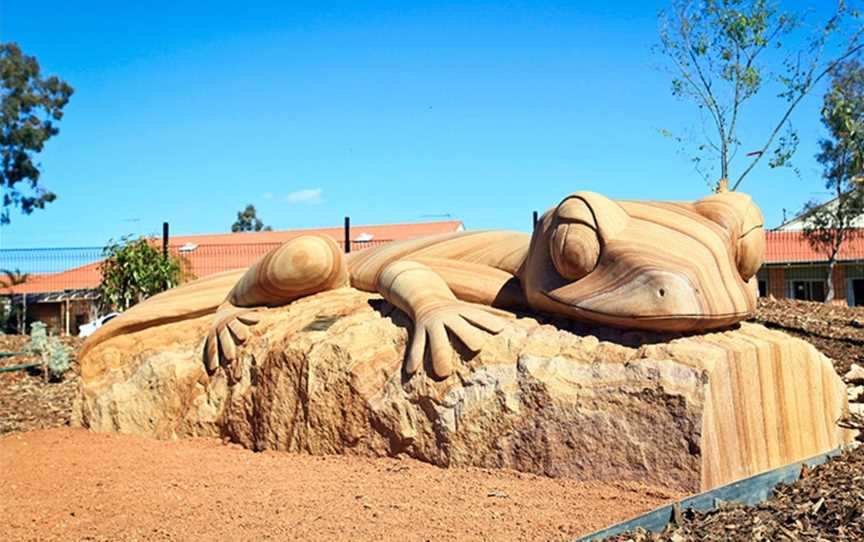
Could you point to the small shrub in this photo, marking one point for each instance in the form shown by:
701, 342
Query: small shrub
38, 342
56, 358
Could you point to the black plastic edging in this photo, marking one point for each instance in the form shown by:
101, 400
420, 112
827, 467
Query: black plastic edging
748, 491
19, 367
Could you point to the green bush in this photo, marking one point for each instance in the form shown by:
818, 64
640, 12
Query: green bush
133, 270
56, 357
38, 342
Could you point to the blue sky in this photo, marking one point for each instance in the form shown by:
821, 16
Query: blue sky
387, 112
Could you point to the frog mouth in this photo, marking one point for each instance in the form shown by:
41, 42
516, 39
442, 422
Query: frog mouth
681, 321
647, 298
635, 316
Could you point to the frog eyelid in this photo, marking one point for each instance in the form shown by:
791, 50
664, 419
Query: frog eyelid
571, 212
752, 228
607, 217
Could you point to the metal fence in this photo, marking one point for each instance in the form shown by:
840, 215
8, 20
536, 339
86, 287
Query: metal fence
55, 270
40, 261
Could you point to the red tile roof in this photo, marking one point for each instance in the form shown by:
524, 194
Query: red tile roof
792, 247
78, 278
221, 252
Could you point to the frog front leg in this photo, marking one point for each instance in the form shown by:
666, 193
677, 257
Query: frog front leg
424, 295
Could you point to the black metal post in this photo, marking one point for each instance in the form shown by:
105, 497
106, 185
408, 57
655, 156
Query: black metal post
165, 239
165, 249
347, 235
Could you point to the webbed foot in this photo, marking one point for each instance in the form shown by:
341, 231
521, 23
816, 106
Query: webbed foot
471, 324
229, 330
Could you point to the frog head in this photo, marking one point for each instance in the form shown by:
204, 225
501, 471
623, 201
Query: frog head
665, 266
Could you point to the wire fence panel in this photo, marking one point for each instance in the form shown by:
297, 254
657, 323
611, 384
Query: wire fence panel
40, 261
57, 270
49, 270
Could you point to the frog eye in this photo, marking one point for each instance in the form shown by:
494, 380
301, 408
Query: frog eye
750, 252
742, 218
575, 250
575, 243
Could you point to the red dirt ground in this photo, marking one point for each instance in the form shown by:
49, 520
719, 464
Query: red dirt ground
71, 484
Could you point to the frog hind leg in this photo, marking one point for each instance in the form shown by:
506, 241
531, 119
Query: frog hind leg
298, 268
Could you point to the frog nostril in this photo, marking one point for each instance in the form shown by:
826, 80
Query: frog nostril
662, 292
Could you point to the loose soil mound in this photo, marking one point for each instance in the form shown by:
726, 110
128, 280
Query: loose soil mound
71, 484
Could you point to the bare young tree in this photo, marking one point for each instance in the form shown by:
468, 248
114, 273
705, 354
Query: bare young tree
723, 53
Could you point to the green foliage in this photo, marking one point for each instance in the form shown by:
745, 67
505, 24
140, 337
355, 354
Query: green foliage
787, 144
247, 220
38, 342
843, 115
723, 53
5, 313
7, 310
30, 108
11, 278
828, 226
56, 358
133, 270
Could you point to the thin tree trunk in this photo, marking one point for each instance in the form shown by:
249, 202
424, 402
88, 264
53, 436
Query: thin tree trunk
829, 294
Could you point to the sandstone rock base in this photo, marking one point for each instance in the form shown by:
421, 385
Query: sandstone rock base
323, 376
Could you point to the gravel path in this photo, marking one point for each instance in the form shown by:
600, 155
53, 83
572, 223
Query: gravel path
71, 484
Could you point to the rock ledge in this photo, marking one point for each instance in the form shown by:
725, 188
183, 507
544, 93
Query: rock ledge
323, 376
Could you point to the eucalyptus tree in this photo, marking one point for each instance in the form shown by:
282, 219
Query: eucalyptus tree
828, 226
31, 106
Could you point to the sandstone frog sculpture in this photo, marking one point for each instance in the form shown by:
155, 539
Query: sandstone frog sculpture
665, 266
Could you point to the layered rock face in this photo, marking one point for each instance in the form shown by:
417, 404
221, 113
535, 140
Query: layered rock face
324, 375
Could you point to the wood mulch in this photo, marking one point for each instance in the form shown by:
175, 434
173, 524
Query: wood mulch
826, 504
27, 400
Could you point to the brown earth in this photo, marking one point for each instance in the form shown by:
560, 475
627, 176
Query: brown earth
52, 488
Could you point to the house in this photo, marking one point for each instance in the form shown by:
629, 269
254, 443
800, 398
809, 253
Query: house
792, 269
797, 223
68, 299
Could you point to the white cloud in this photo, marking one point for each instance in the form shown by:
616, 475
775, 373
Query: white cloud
307, 195
268, 195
